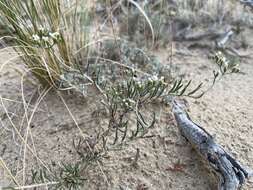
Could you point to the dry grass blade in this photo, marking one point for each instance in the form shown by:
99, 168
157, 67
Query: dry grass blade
32, 186
29, 120
147, 19
4, 166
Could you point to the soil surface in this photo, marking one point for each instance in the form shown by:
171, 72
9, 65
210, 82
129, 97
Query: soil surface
166, 160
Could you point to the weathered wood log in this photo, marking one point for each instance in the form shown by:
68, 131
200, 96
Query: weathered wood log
247, 3
225, 38
231, 174
197, 36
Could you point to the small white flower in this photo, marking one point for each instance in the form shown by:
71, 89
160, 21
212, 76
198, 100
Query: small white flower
131, 101
41, 29
45, 38
154, 78
236, 66
54, 35
224, 59
219, 53
103, 78
226, 63
35, 37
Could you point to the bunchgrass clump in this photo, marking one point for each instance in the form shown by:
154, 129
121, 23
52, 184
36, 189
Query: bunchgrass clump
47, 34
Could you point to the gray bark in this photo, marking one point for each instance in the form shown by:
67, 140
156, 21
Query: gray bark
226, 37
248, 3
231, 173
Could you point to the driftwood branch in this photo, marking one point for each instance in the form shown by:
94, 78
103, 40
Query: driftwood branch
225, 38
185, 36
231, 173
247, 3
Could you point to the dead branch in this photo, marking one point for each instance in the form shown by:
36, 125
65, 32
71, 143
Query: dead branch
225, 38
247, 3
197, 36
231, 173
235, 52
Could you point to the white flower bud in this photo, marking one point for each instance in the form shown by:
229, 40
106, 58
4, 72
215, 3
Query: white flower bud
45, 38
35, 37
41, 29
226, 63
54, 35
154, 78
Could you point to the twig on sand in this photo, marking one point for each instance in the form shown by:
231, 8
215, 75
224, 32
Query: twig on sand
231, 173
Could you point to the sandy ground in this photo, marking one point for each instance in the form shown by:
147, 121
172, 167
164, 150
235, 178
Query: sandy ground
166, 160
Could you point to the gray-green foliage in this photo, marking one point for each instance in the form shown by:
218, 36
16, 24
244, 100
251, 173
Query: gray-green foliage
69, 175
225, 65
134, 94
128, 90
